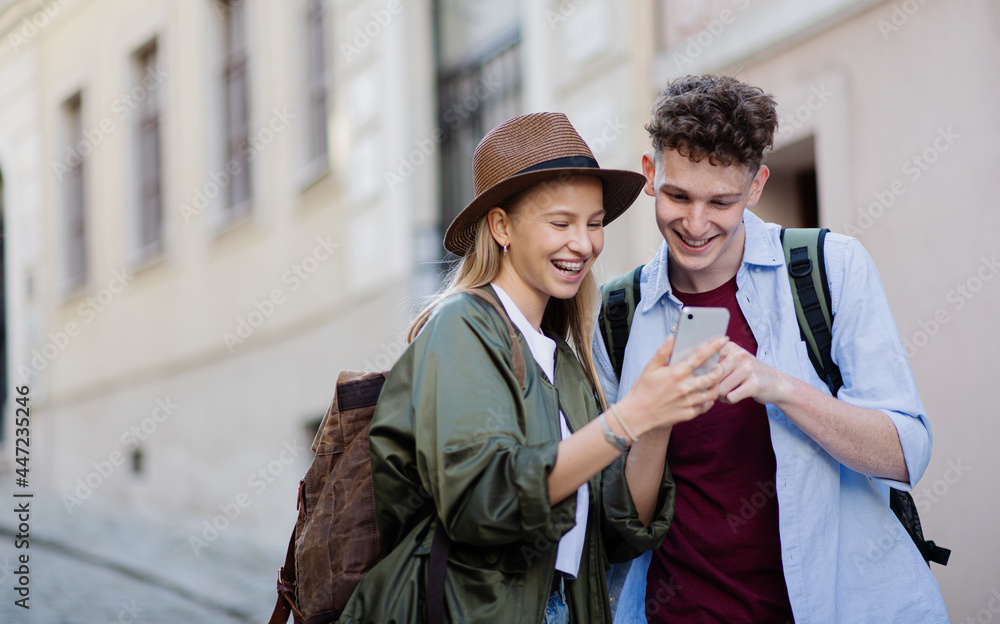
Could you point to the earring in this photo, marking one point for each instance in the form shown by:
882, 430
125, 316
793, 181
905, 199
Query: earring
505, 250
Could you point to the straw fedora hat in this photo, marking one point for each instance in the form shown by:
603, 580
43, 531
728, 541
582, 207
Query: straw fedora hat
524, 151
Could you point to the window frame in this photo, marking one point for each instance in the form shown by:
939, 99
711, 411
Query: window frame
236, 110
74, 267
317, 87
148, 230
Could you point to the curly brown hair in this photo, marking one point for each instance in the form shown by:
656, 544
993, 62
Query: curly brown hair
715, 117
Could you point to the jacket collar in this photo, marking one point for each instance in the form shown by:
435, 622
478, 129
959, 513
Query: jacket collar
760, 248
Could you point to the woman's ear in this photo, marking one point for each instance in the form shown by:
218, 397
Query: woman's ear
499, 223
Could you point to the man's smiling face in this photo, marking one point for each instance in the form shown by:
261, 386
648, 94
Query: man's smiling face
699, 211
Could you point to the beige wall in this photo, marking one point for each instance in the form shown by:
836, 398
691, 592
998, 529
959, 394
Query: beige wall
210, 277
161, 337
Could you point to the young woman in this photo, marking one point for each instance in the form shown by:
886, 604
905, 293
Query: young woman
529, 482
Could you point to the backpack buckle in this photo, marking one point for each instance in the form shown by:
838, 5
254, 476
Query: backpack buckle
800, 265
617, 306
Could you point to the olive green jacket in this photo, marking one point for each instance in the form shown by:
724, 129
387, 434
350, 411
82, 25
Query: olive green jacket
452, 426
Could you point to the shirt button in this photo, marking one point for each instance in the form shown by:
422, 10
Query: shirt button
756, 270
611, 599
663, 302
673, 328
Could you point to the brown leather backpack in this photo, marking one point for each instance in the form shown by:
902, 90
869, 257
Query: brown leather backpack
336, 540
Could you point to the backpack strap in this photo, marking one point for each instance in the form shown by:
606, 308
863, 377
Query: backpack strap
619, 299
905, 509
516, 355
286, 604
436, 572
806, 264
804, 258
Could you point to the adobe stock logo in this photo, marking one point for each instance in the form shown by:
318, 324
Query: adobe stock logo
750, 506
259, 480
901, 14
959, 296
370, 30
87, 312
985, 616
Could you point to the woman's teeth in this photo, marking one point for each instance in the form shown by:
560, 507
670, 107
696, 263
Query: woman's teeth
570, 268
695, 243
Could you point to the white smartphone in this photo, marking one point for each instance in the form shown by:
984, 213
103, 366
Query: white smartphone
696, 327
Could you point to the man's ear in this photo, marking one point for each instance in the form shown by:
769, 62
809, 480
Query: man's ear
649, 170
757, 186
499, 223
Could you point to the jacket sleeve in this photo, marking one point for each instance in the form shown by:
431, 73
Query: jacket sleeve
624, 535
870, 353
488, 484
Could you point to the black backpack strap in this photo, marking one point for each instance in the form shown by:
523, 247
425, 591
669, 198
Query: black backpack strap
806, 264
619, 299
905, 509
436, 571
804, 258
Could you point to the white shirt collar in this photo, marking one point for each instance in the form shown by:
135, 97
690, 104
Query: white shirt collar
543, 348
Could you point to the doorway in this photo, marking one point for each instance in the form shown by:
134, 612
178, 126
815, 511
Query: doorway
791, 196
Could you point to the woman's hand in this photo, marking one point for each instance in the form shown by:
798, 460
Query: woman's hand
665, 395
661, 397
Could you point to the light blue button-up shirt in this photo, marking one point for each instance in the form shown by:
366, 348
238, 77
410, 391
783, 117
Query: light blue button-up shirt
846, 557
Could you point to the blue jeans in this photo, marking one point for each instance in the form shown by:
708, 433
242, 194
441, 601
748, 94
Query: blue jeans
557, 611
627, 587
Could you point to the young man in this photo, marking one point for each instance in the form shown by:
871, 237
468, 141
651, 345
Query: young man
781, 511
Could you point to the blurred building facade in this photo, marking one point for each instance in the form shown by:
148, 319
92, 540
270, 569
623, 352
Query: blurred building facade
209, 208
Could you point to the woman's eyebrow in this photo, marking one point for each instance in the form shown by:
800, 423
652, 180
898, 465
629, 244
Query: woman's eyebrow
562, 212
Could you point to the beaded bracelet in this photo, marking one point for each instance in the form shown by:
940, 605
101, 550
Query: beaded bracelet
621, 422
618, 442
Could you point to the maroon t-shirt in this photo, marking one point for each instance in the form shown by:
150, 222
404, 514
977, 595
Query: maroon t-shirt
721, 559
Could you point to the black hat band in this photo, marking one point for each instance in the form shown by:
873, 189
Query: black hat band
566, 162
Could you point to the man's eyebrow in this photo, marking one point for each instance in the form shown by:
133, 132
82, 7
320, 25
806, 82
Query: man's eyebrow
673, 188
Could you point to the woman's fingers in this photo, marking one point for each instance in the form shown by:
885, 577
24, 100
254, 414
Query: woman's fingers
662, 355
691, 383
673, 392
712, 378
705, 351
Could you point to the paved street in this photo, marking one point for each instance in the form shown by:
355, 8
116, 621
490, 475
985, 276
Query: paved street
113, 564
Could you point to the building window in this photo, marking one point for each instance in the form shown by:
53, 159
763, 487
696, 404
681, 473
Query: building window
236, 113
479, 87
316, 81
73, 199
149, 219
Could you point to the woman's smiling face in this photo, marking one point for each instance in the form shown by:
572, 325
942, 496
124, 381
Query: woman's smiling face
554, 234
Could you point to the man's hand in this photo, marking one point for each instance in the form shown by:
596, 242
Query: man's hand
863, 439
745, 377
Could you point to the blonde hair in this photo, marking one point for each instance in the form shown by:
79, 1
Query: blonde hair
571, 319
